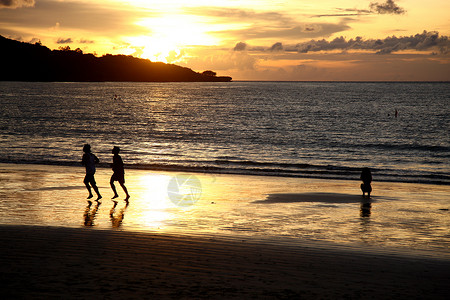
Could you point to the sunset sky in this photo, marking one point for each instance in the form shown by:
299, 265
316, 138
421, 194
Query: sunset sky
252, 39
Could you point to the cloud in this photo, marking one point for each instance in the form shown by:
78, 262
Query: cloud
299, 31
83, 41
235, 14
16, 3
340, 66
222, 60
276, 47
240, 46
356, 67
34, 40
64, 41
389, 7
419, 42
262, 25
386, 8
426, 41
347, 12
75, 15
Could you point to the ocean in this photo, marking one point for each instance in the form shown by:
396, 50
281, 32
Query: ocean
328, 130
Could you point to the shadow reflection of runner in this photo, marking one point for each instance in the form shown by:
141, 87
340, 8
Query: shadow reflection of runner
90, 214
117, 218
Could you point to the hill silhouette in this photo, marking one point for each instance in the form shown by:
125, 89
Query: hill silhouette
35, 62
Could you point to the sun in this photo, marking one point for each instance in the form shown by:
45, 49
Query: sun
160, 51
169, 35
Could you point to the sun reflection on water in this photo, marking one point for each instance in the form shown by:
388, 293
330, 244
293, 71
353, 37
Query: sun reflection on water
154, 208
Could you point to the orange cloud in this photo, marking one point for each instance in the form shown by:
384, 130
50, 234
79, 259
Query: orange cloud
16, 3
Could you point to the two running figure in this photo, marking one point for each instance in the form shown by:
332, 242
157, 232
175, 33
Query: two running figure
89, 160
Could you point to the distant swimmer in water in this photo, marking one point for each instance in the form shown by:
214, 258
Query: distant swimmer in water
89, 160
119, 173
366, 177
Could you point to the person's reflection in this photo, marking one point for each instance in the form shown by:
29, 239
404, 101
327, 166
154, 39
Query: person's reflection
365, 209
117, 217
89, 214
364, 213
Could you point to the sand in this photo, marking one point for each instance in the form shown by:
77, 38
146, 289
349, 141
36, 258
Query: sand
49, 262
246, 237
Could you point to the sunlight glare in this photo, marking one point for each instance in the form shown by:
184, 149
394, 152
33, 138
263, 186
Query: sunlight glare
155, 205
169, 35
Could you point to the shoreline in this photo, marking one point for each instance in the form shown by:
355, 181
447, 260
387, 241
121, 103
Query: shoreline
49, 262
224, 171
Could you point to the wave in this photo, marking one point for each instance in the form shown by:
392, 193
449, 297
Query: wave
247, 167
418, 147
260, 164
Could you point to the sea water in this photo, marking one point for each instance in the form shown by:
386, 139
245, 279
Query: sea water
297, 129
292, 133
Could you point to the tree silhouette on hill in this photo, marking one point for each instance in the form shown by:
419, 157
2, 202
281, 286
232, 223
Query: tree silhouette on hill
35, 62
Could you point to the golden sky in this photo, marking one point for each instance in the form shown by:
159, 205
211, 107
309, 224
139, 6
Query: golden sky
252, 39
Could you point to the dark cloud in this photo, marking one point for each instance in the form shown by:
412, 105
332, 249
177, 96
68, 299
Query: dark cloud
355, 11
425, 41
83, 41
240, 46
347, 12
276, 47
419, 42
64, 41
387, 8
16, 3
34, 40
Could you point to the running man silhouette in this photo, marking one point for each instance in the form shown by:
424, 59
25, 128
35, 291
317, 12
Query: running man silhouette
89, 160
119, 173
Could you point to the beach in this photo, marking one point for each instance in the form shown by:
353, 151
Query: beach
50, 263
238, 237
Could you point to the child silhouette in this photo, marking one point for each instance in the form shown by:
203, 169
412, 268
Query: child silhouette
366, 177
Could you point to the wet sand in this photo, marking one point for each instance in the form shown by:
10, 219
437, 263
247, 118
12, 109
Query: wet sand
409, 216
50, 263
245, 237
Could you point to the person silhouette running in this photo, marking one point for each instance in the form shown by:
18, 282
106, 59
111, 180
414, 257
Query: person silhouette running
366, 177
89, 160
119, 174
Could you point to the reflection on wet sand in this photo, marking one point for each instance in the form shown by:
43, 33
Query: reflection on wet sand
366, 208
90, 214
364, 214
117, 217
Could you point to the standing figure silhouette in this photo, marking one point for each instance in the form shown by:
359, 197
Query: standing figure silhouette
119, 173
89, 160
366, 177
